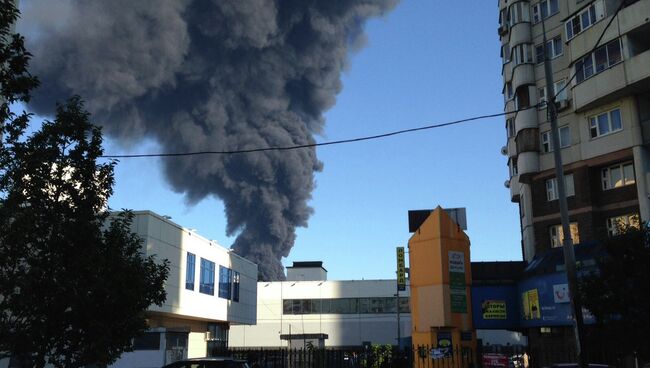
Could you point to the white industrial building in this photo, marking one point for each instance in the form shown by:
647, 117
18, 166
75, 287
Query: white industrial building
209, 289
308, 309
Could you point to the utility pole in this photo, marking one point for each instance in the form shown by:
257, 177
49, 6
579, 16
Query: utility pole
569, 254
399, 333
401, 285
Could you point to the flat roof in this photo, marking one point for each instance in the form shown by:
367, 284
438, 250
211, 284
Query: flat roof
308, 264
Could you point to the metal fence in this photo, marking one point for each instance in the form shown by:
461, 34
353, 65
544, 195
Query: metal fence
384, 356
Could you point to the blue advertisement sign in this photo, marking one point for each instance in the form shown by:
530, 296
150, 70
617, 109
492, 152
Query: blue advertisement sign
544, 301
495, 307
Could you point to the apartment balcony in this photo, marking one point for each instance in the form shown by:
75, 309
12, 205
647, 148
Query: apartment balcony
525, 119
527, 165
630, 76
512, 148
514, 188
520, 33
637, 69
523, 74
506, 71
629, 19
633, 16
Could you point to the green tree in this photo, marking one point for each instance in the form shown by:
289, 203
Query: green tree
618, 294
74, 284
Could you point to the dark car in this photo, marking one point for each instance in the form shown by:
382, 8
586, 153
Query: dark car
575, 365
215, 362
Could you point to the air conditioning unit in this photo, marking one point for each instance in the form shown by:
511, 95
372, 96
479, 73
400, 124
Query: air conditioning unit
562, 104
504, 150
506, 183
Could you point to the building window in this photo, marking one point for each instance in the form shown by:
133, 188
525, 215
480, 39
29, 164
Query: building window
510, 126
147, 341
522, 53
545, 9
377, 305
522, 97
558, 91
505, 53
615, 225
235, 286
618, 176
225, 282
552, 190
557, 235
189, 271
565, 139
584, 19
509, 91
553, 49
513, 167
518, 12
605, 123
503, 18
206, 285
604, 57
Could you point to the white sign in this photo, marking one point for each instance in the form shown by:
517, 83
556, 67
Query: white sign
456, 262
561, 293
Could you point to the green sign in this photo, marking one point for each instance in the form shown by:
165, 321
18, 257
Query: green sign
494, 309
458, 303
457, 280
401, 272
457, 285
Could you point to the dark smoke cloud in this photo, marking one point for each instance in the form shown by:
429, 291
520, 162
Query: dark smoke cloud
209, 75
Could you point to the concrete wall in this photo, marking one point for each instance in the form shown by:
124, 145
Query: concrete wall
306, 274
342, 329
170, 241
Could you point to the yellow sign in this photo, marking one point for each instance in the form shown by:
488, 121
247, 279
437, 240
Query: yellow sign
401, 272
494, 309
530, 300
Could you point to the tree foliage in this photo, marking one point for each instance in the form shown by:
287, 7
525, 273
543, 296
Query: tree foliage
618, 295
74, 284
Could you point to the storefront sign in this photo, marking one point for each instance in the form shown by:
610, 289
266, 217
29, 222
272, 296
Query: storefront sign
494, 309
530, 301
445, 345
457, 286
495, 360
561, 293
401, 272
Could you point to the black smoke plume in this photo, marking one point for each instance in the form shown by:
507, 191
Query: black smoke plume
209, 75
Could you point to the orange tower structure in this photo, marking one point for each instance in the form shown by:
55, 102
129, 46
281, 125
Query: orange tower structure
440, 281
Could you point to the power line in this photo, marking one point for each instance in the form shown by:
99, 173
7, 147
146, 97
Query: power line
321, 144
371, 137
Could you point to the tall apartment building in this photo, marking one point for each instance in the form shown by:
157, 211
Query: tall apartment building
603, 115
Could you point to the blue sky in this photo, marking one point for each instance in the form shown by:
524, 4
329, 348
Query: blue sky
425, 62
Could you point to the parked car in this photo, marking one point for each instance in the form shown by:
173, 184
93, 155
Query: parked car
575, 365
213, 362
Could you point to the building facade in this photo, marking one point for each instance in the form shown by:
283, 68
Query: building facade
599, 51
309, 310
209, 289
603, 100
